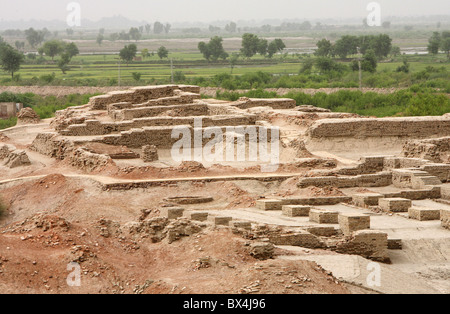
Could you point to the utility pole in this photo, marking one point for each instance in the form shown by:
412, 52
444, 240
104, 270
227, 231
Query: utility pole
360, 68
119, 73
119, 70
171, 70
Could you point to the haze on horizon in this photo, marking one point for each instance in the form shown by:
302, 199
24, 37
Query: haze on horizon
208, 10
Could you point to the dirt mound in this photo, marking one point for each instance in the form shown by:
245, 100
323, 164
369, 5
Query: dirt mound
27, 116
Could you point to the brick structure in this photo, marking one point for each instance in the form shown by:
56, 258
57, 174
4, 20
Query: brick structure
350, 223
296, 210
269, 204
445, 218
398, 205
323, 216
172, 212
424, 214
367, 199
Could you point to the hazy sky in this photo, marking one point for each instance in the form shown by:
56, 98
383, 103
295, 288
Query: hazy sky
210, 10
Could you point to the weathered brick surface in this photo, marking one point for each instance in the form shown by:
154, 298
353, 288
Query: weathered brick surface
269, 204
395, 204
445, 218
350, 223
367, 199
424, 214
296, 210
370, 244
323, 216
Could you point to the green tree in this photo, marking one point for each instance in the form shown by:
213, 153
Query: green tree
434, 43
233, 61
325, 64
346, 45
128, 53
158, 28
249, 45
369, 62
307, 66
145, 53
167, 28
404, 68
275, 46
324, 48
135, 34
100, 38
263, 46
148, 28
72, 50
53, 48
10, 59
63, 63
231, 27
396, 51
136, 76
445, 43
163, 52
213, 50
34, 38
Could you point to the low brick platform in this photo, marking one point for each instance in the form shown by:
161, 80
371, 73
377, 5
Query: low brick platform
398, 205
424, 214
296, 210
269, 204
301, 238
196, 215
323, 231
350, 223
323, 216
367, 199
172, 212
241, 225
219, 220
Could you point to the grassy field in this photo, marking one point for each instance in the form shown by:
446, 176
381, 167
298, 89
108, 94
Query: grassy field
105, 68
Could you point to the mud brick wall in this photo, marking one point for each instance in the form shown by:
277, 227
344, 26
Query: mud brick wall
441, 171
368, 180
138, 95
436, 150
400, 162
445, 218
282, 103
403, 178
51, 145
161, 137
350, 223
317, 201
370, 244
367, 165
424, 214
13, 157
88, 161
181, 110
409, 127
445, 191
301, 238
95, 127
432, 193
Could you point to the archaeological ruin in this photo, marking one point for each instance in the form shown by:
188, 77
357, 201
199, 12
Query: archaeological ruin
338, 182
